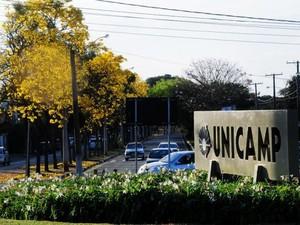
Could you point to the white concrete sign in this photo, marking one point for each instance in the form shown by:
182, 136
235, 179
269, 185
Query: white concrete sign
239, 141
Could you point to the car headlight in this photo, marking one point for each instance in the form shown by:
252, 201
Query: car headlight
143, 169
154, 169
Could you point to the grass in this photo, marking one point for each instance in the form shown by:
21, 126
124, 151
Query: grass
34, 222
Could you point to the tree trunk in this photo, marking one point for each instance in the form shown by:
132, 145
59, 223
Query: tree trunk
65, 141
97, 150
46, 159
104, 140
85, 146
37, 148
53, 147
38, 159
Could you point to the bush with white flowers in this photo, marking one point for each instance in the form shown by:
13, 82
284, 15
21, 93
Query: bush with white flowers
166, 197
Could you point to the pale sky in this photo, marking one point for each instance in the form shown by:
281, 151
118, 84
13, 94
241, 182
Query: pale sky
152, 55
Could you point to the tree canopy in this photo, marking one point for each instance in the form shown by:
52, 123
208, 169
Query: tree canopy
36, 74
208, 71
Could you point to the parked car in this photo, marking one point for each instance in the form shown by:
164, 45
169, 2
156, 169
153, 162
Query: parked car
93, 142
4, 156
173, 146
182, 160
156, 154
130, 151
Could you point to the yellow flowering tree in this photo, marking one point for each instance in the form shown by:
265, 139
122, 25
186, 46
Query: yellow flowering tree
44, 80
105, 88
37, 34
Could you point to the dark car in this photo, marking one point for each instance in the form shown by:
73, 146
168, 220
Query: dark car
156, 154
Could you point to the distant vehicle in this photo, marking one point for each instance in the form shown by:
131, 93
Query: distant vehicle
4, 156
182, 160
173, 146
71, 142
156, 154
93, 142
130, 151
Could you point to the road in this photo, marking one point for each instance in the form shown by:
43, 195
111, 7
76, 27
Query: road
119, 164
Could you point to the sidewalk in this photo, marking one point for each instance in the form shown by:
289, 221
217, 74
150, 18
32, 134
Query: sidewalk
19, 173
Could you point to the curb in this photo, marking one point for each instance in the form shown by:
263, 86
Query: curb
109, 158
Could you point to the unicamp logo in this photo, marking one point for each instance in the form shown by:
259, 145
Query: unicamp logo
204, 141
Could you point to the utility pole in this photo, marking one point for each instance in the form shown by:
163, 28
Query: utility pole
255, 86
76, 115
297, 84
169, 134
274, 89
135, 133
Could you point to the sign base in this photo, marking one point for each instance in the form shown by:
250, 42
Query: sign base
214, 170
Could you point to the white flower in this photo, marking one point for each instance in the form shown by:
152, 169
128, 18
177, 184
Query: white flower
28, 208
175, 186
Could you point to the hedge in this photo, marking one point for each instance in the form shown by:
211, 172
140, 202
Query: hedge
181, 197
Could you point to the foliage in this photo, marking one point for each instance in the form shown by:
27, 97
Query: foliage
181, 197
289, 94
164, 88
151, 81
43, 21
34, 28
43, 79
34, 222
106, 86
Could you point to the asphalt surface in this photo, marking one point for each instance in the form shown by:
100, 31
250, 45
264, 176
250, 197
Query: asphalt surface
119, 164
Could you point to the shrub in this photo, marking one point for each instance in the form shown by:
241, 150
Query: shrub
181, 197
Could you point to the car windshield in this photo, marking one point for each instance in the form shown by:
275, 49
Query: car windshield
166, 158
165, 145
157, 154
132, 146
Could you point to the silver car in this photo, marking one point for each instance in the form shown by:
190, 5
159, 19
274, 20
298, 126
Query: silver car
130, 151
182, 160
173, 146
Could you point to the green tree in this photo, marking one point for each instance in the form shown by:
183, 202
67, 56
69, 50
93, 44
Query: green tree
164, 88
151, 81
289, 94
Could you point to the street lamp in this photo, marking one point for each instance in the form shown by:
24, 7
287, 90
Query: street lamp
101, 38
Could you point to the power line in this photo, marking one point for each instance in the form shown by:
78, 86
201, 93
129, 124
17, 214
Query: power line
264, 76
290, 94
150, 58
198, 22
180, 16
269, 100
199, 38
192, 30
249, 18
200, 12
